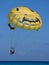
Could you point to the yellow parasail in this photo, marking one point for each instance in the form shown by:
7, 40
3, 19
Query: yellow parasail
24, 17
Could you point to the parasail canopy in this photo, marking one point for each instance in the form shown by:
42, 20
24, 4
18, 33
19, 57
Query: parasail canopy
25, 18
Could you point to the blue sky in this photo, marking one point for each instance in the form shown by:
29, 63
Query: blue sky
29, 45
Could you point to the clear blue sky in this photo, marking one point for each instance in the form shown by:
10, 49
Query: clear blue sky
29, 45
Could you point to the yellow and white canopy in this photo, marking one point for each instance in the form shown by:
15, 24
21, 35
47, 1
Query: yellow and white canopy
24, 17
